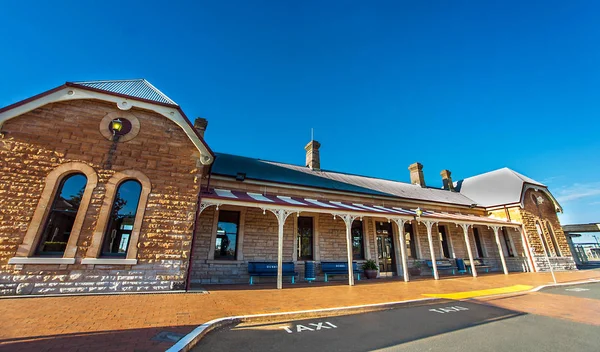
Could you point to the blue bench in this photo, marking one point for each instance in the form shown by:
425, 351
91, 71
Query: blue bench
256, 269
338, 268
478, 264
442, 264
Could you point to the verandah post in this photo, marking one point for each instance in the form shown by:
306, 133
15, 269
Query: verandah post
465, 228
496, 228
400, 224
280, 254
429, 224
349, 249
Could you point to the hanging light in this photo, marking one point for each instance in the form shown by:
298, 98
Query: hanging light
116, 125
419, 212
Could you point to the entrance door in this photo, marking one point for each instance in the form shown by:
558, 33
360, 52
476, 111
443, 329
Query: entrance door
385, 249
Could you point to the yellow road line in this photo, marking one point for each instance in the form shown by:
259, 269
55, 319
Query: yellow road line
471, 294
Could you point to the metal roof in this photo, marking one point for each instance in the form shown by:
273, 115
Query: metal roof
265, 201
498, 187
231, 165
137, 88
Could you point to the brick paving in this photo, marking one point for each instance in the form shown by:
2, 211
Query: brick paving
128, 322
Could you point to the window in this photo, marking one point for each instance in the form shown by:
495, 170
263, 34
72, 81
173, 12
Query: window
227, 235
507, 244
444, 242
478, 245
121, 219
305, 238
61, 216
358, 252
540, 232
411, 244
553, 238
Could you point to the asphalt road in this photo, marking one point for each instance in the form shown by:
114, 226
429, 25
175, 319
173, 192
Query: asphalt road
443, 326
583, 291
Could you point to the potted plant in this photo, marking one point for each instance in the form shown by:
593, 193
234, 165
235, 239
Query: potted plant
415, 269
370, 268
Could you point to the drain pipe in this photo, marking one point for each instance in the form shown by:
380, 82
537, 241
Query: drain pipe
188, 282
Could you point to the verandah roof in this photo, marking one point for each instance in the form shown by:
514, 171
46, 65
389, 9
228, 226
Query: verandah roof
271, 201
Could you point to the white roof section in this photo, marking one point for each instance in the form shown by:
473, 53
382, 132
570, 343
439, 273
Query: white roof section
395, 188
498, 187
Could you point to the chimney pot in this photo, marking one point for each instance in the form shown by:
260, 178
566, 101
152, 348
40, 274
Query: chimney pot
416, 174
447, 180
313, 160
200, 125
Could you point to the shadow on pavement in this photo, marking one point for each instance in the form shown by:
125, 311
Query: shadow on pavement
113, 340
360, 332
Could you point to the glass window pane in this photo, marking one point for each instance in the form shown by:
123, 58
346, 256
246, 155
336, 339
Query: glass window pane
480, 253
305, 238
411, 244
227, 234
357, 240
553, 238
541, 235
122, 217
62, 215
444, 242
507, 246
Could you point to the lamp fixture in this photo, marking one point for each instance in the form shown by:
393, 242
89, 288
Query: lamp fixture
419, 212
116, 126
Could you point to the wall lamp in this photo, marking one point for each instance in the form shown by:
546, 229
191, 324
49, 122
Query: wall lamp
116, 125
419, 212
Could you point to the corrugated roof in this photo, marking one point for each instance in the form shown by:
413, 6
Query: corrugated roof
498, 187
137, 88
231, 165
234, 197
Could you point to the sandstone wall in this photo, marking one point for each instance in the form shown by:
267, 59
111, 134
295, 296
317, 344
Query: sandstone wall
39, 141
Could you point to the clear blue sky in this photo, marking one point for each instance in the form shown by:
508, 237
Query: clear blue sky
468, 86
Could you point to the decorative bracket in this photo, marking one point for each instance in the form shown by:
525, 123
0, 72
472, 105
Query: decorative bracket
280, 214
465, 227
399, 221
348, 219
206, 205
428, 223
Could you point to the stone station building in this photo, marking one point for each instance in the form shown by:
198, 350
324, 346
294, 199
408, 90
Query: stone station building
105, 186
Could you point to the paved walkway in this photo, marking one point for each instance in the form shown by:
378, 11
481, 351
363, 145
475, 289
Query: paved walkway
128, 322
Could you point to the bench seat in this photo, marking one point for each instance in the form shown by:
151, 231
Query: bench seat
478, 264
442, 264
338, 268
269, 269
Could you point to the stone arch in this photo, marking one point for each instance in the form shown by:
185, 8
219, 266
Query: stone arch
111, 189
54, 178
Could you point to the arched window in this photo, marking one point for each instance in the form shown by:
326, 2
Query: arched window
553, 238
121, 219
61, 215
540, 232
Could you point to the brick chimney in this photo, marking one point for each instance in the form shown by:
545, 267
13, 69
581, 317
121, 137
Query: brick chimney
416, 174
447, 180
313, 160
200, 125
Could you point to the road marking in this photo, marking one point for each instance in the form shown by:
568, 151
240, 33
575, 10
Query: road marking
577, 289
445, 310
317, 327
490, 292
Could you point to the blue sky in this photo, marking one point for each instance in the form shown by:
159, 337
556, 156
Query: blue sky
468, 86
